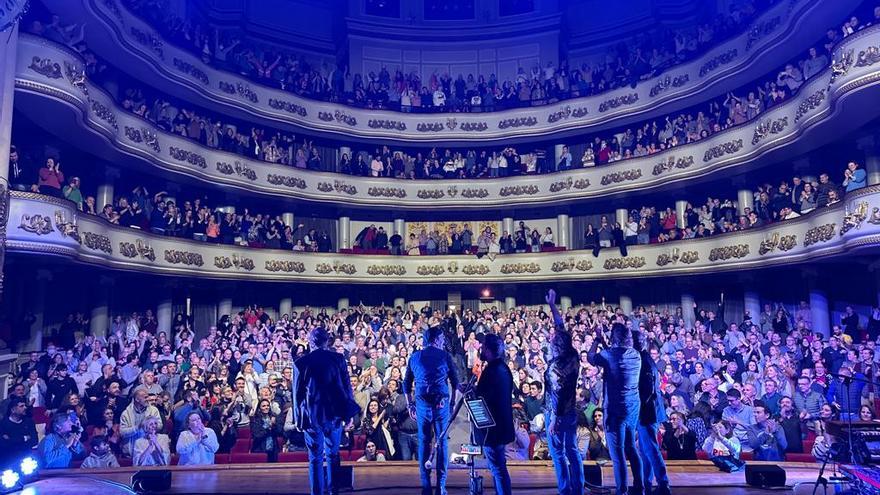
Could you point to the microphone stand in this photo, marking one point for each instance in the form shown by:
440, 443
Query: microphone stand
429, 464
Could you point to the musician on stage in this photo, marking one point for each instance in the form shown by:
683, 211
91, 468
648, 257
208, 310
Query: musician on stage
559, 406
496, 388
429, 387
322, 403
621, 365
651, 414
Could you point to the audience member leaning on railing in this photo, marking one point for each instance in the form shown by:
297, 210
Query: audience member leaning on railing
650, 137
715, 367
627, 64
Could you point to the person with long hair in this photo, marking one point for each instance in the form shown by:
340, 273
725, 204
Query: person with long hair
264, 428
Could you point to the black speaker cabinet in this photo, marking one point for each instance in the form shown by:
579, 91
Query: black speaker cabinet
593, 474
343, 478
765, 475
151, 481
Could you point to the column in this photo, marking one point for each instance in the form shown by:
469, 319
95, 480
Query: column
557, 155
506, 226
621, 216
8, 46
399, 302
287, 218
105, 195
34, 342
343, 234
509, 303
285, 306
100, 316
163, 314
564, 303
745, 199
681, 213
224, 307
626, 304
562, 234
342, 303
399, 227
687, 308
753, 305
819, 311
869, 145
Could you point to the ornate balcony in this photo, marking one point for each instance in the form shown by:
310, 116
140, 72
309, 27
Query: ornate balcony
49, 79
130, 43
42, 225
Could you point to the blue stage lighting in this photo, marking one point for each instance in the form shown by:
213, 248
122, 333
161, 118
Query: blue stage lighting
28, 466
9, 479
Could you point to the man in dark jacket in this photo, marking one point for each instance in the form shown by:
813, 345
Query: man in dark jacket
322, 403
560, 412
652, 412
496, 388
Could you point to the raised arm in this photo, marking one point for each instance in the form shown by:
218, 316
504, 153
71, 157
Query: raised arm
551, 300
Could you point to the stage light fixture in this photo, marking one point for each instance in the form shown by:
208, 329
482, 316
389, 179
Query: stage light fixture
486, 293
29, 466
9, 479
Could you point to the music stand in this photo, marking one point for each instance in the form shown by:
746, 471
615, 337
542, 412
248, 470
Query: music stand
479, 413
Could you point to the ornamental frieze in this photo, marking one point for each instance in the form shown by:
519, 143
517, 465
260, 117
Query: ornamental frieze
822, 233
669, 82
673, 163
187, 156
288, 107
387, 124
285, 266
508, 268
475, 269
768, 127
841, 66
720, 150
430, 193
782, 242
239, 169
474, 193
810, 103
97, 242
762, 29
624, 263
618, 101
398, 270
513, 123
875, 216
386, 192
240, 262
143, 135
687, 257
134, 249
529, 190
76, 76
337, 267
729, 252
338, 116
570, 264
425, 270
286, 180
36, 224
242, 90
66, 228
622, 176
429, 126
149, 40
175, 257
338, 186
474, 126
869, 57
852, 219
717, 61
104, 113
46, 67
566, 184
192, 70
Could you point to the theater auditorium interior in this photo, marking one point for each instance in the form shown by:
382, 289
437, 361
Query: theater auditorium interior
440, 246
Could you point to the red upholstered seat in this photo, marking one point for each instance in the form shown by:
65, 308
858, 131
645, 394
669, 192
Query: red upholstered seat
244, 432
242, 446
703, 456
747, 456
221, 458
352, 455
124, 461
532, 439
359, 442
297, 456
175, 459
799, 458
247, 458
39, 415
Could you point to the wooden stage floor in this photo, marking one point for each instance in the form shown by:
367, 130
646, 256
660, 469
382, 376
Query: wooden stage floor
396, 478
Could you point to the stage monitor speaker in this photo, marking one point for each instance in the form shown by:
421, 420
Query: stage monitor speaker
151, 481
344, 478
593, 474
765, 476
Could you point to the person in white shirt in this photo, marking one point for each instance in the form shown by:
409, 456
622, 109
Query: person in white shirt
197, 444
439, 98
132, 419
547, 238
153, 448
83, 377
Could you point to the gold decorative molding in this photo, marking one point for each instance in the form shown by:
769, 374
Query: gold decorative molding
386, 192
875, 216
673, 163
571, 264
475, 269
624, 263
140, 248
529, 190
720, 150
67, 229
520, 268
568, 183
45, 67
767, 127
240, 262
175, 257
337, 267
286, 180
822, 233
852, 219
285, 266
36, 224
622, 176
811, 103
776, 240
97, 242
687, 257
398, 270
727, 252
338, 186
426, 270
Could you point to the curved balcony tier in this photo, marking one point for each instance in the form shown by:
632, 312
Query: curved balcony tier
134, 46
49, 80
41, 225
